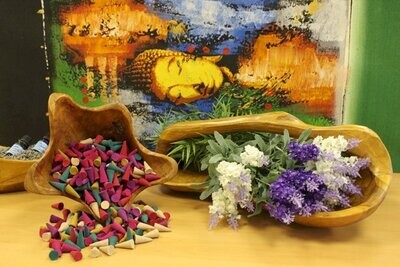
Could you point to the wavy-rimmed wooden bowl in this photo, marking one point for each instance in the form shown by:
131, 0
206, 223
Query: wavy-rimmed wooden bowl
12, 174
70, 122
374, 181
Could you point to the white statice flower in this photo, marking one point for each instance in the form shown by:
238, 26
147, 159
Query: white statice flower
230, 172
331, 145
235, 190
253, 157
223, 203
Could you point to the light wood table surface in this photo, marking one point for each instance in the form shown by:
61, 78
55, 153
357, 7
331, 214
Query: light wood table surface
260, 241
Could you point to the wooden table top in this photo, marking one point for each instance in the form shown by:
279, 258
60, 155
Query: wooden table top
260, 241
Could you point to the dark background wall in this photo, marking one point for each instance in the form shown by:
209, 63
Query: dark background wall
23, 88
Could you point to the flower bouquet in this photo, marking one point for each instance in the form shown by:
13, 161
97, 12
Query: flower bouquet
317, 176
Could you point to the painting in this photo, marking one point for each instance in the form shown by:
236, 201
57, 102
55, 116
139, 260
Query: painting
171, 60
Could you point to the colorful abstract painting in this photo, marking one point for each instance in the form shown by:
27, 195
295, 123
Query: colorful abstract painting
170, 60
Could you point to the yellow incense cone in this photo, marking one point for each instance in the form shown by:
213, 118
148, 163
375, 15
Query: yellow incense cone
147, 207
128, 244
160, 214
98, 227
162, 228
64, 236
97, 161
73, 219
56, 175
142, 239
101, 243
86, 141
147, 168
108, 250
105, 204
74, 161
94, 253
71, 191
95, 185
137, 172
152, 234
95, 208
144, 226
124, 162
118, 220
63, 226
73, 170
46, 236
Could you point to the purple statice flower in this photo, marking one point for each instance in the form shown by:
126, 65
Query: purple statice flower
363, 163
303, 152
351, 169
296, 192
250, 206
353, 142
233, 222
334, 199
351, 189
214, 220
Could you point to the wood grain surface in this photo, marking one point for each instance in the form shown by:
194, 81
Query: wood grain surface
260, 241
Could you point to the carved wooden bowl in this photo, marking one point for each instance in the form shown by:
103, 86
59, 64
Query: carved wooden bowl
70, 122
374, 181
12, 174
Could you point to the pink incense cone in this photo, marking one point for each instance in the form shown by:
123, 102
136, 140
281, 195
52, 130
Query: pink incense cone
88, 197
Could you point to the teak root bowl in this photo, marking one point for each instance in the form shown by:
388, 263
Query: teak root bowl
12, 174
70, 122
374, 181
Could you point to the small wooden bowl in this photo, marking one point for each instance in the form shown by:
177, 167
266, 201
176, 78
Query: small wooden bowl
12, 174
70, 122
374, 181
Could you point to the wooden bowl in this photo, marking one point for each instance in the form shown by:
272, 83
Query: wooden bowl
374, 181
70, 122
12, 174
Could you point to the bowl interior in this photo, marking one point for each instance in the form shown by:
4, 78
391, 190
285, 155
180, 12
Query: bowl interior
374, 181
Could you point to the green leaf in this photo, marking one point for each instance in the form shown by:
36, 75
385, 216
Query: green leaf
235, 157
216, 158
175, 150
260, 142
304, 136
188, 146
206, 193
204, 164
213, 147
221, 141
286, 138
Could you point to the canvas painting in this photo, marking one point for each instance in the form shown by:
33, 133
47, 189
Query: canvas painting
171, 60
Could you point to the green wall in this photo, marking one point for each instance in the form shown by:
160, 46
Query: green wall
373, 97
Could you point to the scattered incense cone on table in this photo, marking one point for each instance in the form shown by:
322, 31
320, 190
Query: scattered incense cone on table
108, 250
128, 244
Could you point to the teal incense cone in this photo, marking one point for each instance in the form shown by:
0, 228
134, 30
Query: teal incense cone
58, 185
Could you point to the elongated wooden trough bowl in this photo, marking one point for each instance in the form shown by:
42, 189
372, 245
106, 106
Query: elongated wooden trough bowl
12, 174
374, 181
70, 122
